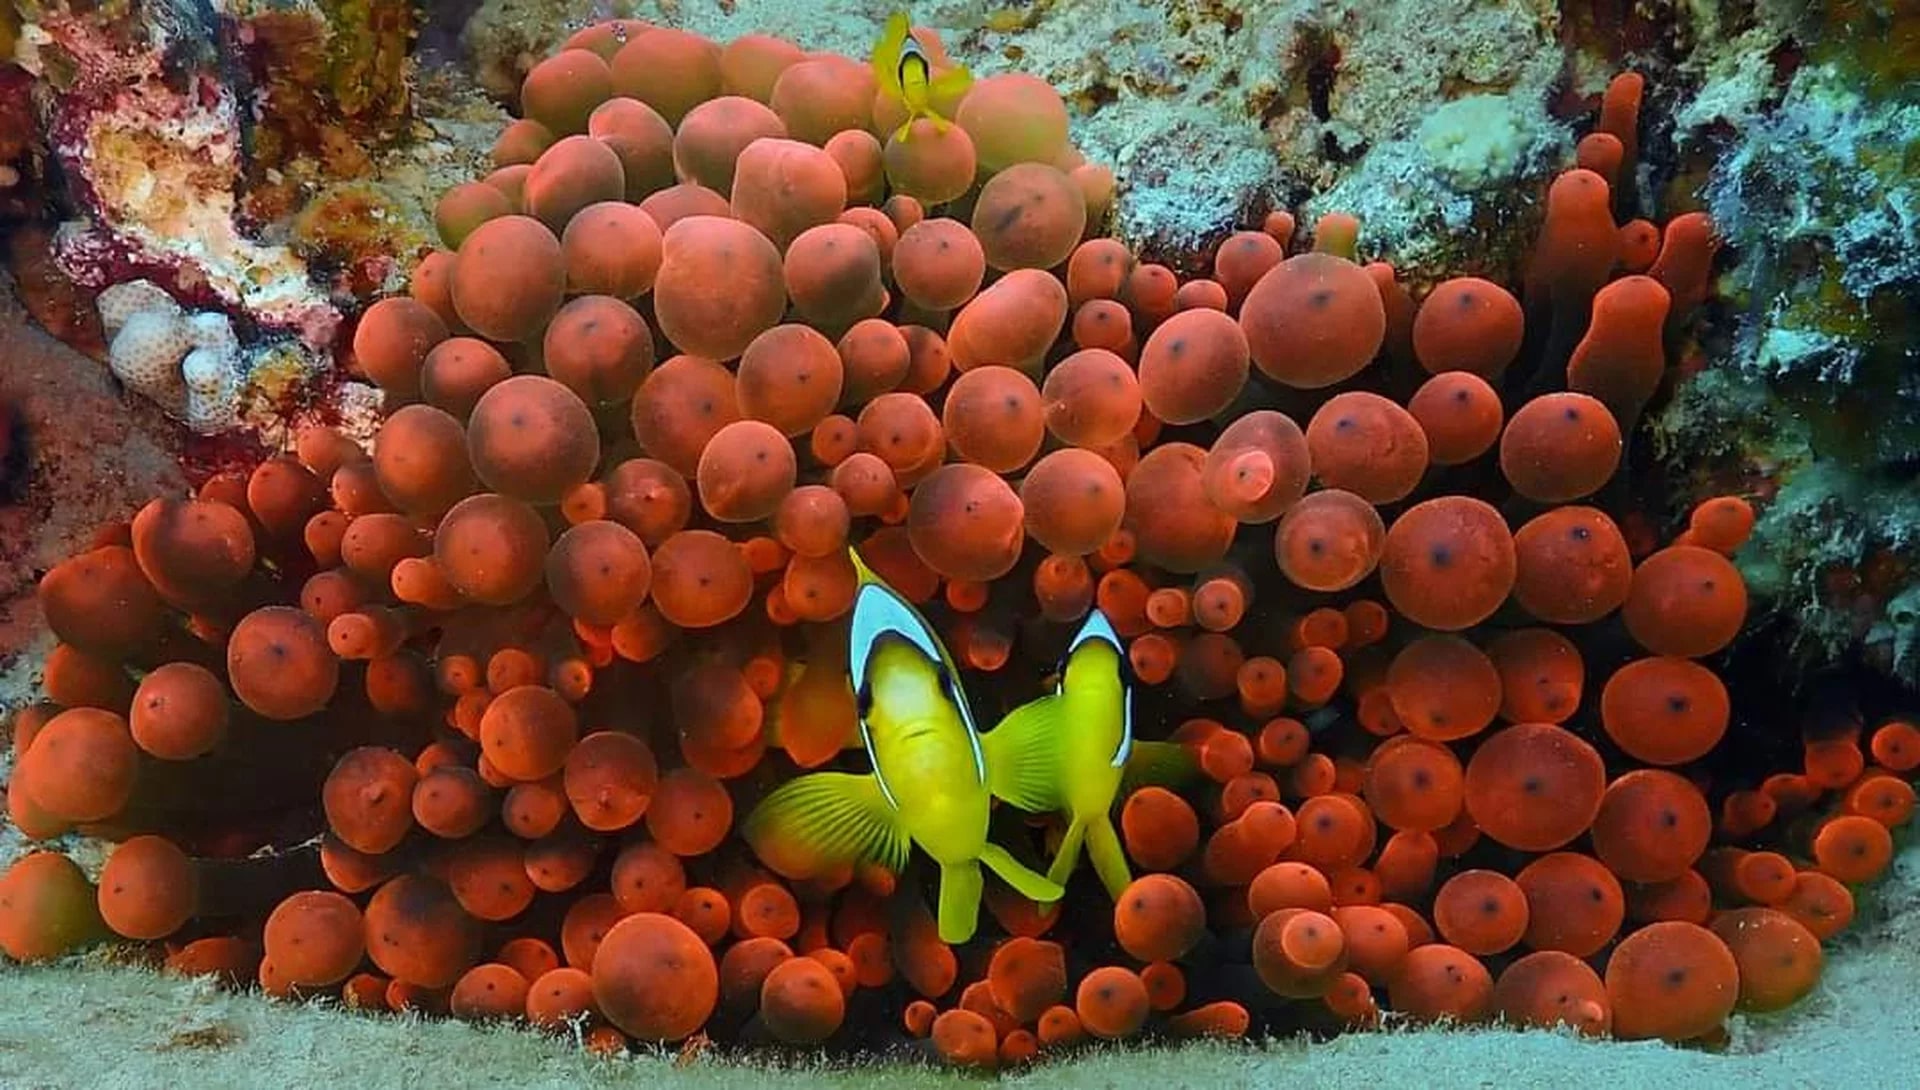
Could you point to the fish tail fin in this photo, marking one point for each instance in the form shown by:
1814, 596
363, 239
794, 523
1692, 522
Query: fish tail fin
1158, 764
1023, 756
1069, 853
820, 822
1026, 881
960, 888
1109, 862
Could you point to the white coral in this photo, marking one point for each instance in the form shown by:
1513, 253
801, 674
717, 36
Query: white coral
118, 302
146, 355
212, 375
189, 365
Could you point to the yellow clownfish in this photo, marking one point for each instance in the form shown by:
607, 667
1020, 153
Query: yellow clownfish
928, 787
1073, 751
901, 65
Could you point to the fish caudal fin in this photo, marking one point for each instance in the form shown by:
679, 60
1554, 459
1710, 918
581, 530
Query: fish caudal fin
1023, 756
1109, 862
823, 821
960, 887
1158, 764
1069, 854
1027, 882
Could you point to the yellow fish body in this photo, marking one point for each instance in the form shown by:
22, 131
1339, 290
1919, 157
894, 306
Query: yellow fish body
901, 65
1073, 750
928, 786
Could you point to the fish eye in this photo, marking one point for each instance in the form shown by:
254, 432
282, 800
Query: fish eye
863, 701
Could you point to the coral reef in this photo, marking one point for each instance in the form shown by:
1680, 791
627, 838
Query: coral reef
1812, 398
1427, 715
1211, 110
203, 149
157, 160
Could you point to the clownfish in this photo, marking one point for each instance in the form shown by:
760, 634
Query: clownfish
901, 65
1073, 751
928, 784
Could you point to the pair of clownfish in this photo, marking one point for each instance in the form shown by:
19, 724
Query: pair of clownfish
934, 774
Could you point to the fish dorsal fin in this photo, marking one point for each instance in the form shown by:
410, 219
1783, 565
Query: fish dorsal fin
1097, 628
880, 611
887, 51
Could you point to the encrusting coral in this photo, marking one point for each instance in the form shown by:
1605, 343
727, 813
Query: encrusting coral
1452, 715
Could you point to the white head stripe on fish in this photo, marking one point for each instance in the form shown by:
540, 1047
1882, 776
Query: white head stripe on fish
877, 611
1098, 627
910, 50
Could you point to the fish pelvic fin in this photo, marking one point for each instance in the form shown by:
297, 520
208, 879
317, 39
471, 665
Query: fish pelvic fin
1158, 764
1109, 862
1069, 854
826, 820
1023, 756
960, 888
1027, 882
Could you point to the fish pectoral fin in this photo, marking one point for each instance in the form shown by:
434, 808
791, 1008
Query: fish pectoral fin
1023, 756
1109, 862
953, 81
960, 887
825, 820
1029, 883
1158, 764
1069, 853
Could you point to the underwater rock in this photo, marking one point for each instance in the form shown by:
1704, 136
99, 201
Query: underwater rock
154, 152
1808, 395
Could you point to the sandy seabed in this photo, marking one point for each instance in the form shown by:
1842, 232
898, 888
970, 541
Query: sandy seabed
103, 1027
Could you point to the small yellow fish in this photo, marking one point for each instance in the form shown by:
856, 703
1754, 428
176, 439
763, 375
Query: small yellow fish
1073, 750
901, 65
928, 786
